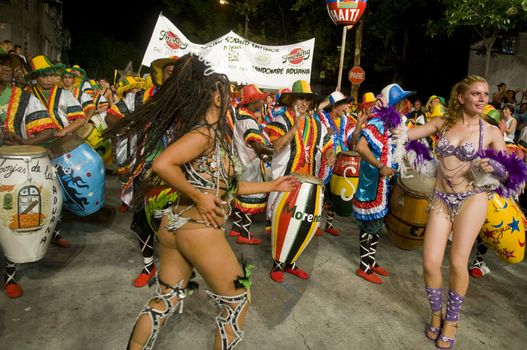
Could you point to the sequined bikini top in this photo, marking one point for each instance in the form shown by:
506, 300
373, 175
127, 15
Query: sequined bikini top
465, 152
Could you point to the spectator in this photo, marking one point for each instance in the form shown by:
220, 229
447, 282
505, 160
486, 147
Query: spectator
510, 123
6, 46
499, 97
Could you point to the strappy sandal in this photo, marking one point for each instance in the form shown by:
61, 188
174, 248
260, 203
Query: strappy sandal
433, 330
445, 339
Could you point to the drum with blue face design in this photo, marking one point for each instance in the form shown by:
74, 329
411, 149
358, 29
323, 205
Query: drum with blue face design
80, 170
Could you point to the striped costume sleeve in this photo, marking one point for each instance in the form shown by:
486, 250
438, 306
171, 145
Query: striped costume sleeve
373, 136
87, 102
37, 118
252, 132
74, 109
119, 110
276, 129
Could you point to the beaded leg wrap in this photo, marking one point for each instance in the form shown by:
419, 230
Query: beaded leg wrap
157, 316
246, 225
237, 221
364, 250
453, 306
330, 210
480, 253
145, 238
435, 297
374, 239
10, 271
229, 317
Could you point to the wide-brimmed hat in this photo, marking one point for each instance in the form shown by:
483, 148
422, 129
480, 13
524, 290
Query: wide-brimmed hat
41, 64
299, 88
14, 60
68, 71
156, 68
128, 83
393, 93
433, 97
489, 112
77, 68
368, 100
251, 93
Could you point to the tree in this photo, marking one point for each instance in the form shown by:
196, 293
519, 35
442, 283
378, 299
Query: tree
488, 18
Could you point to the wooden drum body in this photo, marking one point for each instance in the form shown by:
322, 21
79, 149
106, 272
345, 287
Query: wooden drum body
504, 229
31, 202
81, 173
295, 219
408, 210
344, 181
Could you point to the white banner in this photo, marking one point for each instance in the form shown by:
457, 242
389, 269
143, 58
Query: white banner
243, 61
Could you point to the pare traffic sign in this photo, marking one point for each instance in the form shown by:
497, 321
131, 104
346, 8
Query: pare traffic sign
356, 75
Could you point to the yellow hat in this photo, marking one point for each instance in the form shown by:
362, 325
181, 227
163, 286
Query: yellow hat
42, 63
437, 111
157, 66
368, 99
128, 83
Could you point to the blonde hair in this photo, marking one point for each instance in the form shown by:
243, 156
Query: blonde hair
455, 109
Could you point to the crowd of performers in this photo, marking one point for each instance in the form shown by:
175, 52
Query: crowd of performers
191, 152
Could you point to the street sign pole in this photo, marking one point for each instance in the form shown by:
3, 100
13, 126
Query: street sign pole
356, 59
342, 50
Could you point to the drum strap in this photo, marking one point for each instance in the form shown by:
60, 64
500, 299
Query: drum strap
171, 301
229, 317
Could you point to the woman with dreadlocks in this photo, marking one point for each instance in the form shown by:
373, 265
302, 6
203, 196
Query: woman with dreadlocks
472, 164
187, 120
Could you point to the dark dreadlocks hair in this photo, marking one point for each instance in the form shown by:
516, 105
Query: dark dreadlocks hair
177, 108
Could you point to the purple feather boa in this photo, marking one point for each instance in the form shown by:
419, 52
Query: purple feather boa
516, 168
420, 148
390, 117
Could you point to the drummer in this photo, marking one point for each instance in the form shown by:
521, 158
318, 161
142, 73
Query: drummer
302, 145
34, 128
333, 114
252, 150
370, 202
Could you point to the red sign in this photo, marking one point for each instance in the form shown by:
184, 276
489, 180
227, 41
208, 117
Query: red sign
356, 75
172, 40
346, 11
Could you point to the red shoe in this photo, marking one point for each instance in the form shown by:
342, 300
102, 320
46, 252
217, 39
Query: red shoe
319, 232
143, 278
62, 242
379, 270
478, 272
373, 278
234, 233
333, 231
298, 272
14, 290
244, 240
123, 208
277, 276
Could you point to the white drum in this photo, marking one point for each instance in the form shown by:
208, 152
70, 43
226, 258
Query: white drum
98, 120
31, 202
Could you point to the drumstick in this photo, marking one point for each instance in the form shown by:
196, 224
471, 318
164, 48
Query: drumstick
30, 207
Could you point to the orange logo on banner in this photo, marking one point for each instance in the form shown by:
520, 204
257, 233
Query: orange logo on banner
356, 75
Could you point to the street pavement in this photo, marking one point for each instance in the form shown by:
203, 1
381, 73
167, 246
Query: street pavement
83, 297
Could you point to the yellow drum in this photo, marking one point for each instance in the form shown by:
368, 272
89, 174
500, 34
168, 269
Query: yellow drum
408, 215
93, 137
504, 229
344, 181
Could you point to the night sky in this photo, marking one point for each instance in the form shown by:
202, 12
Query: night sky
121, 20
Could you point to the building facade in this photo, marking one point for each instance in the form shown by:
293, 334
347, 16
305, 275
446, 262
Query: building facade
35, 25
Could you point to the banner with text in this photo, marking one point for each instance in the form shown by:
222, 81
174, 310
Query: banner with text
243, 61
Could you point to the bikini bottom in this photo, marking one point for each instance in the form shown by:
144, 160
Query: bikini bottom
450, 203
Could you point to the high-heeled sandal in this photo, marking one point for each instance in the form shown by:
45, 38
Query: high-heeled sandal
433, 330
444, 338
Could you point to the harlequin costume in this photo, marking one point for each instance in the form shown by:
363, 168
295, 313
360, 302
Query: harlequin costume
81, 93
248, 130
304, 154
140, 223
341, 130
370, 201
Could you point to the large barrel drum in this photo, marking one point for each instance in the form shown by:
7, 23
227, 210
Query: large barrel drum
408, 210
344, 181
296, 217
31, 201
80, 170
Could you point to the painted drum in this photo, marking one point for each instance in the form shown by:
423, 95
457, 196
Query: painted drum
504, 229
93, 137
408, 210
344, 181
296, 217
81, 173
31, 201
99, 121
